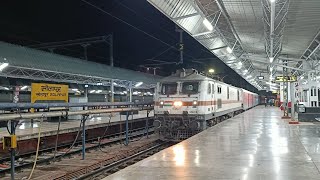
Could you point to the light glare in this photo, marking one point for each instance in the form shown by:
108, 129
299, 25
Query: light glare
271, 59
229, 50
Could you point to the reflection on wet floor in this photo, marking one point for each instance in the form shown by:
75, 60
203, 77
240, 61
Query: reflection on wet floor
255, 145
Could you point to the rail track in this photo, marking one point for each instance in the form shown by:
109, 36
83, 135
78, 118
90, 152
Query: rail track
122, 163
47, 156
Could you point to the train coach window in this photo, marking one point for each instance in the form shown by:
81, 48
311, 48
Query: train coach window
209, 88
212, 89
190, 88
169, 88
219, 89
238, 95
228, 93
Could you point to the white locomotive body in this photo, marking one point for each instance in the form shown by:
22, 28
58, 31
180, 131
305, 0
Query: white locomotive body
187, 103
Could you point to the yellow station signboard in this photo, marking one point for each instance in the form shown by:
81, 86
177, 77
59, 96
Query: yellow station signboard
286, 79
49, 92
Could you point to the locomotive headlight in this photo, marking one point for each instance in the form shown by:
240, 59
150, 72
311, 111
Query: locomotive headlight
161, 104
177, 104
195, 103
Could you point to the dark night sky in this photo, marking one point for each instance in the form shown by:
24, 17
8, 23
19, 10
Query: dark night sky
38, 21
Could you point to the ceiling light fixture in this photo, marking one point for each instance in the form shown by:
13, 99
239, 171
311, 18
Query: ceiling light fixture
207, 24
229, 49
138, 84
271, 59
3, 66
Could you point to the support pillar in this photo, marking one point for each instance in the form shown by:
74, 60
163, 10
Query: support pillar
85, 50
292, 95
181, 46
12, 150
130, 91
147, 123
84, 118
111, 64
112, 90
127, 128
285, 91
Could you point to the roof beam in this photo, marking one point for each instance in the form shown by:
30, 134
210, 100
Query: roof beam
203, 33
186, 16
277, 64
218, 48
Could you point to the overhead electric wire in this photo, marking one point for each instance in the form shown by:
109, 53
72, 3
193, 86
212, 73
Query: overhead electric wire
149, 21
134, 27
125, 22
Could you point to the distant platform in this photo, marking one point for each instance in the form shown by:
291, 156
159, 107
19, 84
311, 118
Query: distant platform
254, 145
27, 130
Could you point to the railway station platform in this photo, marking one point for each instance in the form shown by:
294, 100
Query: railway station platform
26, 130
254, 145
96, 126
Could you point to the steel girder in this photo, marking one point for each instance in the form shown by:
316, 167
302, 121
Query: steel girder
274, 18
221, 39
56, 76
311, 56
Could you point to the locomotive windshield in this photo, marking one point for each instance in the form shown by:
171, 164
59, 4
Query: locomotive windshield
190, 87
169, 88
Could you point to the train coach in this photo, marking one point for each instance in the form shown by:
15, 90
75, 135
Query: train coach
188, 102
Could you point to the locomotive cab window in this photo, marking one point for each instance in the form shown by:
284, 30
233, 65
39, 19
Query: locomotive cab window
169, 88
190, 87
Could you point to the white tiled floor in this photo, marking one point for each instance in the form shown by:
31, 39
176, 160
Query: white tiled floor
255, 145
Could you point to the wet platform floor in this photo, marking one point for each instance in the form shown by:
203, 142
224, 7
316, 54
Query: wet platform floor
255, 145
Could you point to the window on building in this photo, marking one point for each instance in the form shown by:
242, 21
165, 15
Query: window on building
305, 96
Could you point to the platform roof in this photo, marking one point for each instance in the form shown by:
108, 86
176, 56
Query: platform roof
248, 35
34, 64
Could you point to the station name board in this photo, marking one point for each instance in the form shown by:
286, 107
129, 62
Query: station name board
286, 79
49, 92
